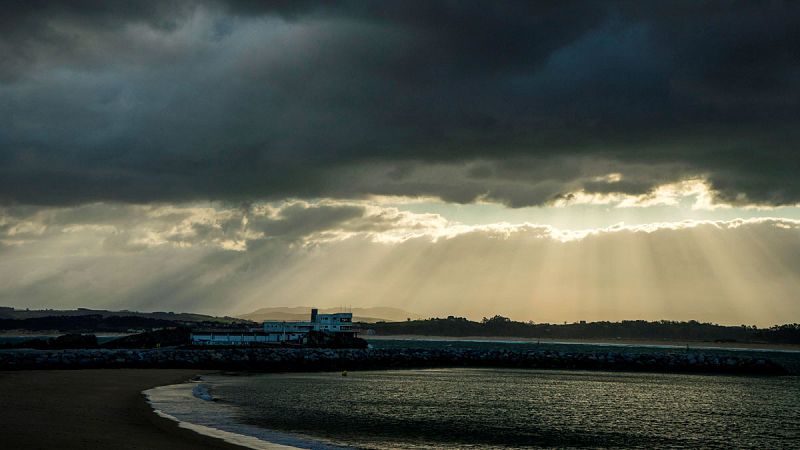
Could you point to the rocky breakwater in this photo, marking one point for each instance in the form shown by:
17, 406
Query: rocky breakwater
311, 359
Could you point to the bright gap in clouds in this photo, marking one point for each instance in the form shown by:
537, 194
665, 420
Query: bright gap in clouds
687, 200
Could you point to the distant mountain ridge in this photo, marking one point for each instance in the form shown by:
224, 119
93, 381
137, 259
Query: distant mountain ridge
298, 313
12, 313
369, 315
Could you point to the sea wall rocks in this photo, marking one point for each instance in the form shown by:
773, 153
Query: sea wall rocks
308, 359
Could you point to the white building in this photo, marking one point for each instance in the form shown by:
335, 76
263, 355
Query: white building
278, 331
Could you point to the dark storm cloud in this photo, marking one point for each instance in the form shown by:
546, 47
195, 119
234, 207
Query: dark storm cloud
299, 220
514, 102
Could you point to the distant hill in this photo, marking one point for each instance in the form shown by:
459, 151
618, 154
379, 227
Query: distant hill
369, 315
96, 323
12, 313
663, 330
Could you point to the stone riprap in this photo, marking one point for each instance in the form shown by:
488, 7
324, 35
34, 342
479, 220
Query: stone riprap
312, 359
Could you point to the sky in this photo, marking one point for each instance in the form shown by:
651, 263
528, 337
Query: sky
546, 161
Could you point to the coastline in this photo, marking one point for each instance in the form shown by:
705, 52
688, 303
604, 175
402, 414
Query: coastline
598, 342
193, 407
103, 408
93, 408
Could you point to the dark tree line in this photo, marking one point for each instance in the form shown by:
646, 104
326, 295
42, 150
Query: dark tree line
499, 326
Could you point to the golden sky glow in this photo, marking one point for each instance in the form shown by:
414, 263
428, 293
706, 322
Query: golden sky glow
223, 260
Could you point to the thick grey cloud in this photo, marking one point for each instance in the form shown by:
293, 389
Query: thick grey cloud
299, 220
513, 102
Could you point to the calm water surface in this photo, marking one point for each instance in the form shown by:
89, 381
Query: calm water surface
494, 408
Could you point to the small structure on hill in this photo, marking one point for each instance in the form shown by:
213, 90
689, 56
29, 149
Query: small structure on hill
340, 325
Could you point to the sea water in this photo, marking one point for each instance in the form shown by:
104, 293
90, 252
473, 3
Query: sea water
493, 408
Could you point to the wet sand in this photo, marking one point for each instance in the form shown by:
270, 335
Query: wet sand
88, 409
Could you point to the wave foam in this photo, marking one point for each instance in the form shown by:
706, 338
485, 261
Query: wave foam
202, 392
193, 407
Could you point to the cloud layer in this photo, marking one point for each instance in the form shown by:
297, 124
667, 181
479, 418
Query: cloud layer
518, 103
233, 260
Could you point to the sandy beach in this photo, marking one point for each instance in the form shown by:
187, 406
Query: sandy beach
88, 409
